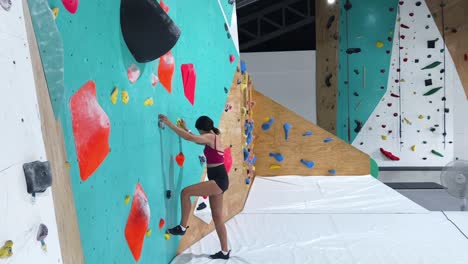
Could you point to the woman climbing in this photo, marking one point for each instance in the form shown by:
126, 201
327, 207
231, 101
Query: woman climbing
218, 178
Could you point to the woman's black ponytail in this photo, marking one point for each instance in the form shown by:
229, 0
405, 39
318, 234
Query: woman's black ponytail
206, 124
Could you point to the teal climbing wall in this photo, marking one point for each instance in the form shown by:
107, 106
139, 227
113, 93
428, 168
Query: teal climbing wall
139, 152
363, 76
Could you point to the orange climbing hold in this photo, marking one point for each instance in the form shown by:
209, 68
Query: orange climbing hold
166, 70
91, 129
161, 223
138, 222
180, 159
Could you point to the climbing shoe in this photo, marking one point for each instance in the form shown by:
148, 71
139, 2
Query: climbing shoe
220, 255
177, 231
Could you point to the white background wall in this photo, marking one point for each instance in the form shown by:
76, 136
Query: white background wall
286, 77
21, 142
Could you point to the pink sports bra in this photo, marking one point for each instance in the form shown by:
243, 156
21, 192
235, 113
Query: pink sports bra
213, 155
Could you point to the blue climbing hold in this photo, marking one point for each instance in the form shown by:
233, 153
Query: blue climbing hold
278, 157
266, 126
308, 133
309, 164
247, 180
287, 128
328, 140
254, 159
243, 67
333, 172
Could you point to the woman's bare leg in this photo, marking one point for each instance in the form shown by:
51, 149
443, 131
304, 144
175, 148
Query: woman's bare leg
216, 204
200, 189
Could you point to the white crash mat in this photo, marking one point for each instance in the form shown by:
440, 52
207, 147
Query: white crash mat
326, 194
336, 239
460, 219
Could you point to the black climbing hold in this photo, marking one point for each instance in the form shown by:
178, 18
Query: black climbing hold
443, 98
226, 90
358, 127
436, 125
431, 43
432, 129
356, 71
444, 134
38, 176
327, 79
429, 56
428, 82
231, 2
353, 50
168, 194
424, 158
348, 5
447, 110
427, 27
362, 143
418, 3
442, 70
147, 29
226, 28
450, 142
22, 120
330, 21
201, 206
416, 60
229, 35
42, 232
418, 131
424, 142
356, 94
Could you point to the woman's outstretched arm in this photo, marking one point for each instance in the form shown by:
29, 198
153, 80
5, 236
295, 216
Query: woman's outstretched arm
183, 133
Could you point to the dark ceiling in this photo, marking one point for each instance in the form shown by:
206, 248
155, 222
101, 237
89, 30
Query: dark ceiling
276, 25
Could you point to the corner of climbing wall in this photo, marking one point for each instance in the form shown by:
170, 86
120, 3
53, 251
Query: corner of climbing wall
287, 144
235, 114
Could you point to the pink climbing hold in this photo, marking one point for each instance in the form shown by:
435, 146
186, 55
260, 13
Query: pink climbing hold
189, 79
389, 155
154, 79
405, 59
232, 58
71, 5
228, 159
133, 73
164, 6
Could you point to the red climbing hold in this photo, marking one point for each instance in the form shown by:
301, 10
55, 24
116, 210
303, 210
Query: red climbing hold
389, 154
228, 159
164, 6
394, 95
204, 197
180, 159
91, 128
189, 78
166, 70
402, 36
401, 2
137, 222
398, 70
390, 131
232, 58
384, 126
411, 14
465, 57
71, 5
161, 223
405, 59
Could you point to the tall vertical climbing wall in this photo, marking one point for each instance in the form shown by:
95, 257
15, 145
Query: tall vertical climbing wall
366, 37
413, 123
327, 37
231, 126
122, 166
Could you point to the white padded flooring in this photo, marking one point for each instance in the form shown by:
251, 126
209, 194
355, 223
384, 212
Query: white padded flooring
300, 229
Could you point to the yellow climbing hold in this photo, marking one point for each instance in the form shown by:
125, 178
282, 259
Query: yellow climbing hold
274, 167
413, 148
407, 121
67, 165
421, 117
125, 97
44, 247
55, 12
384, 137
149, 232
148, 102
7, 250
127, 199
114, 95
379, 44
167, 236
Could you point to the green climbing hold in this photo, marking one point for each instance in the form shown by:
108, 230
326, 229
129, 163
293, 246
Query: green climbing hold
432, 91
437, 153
432, 65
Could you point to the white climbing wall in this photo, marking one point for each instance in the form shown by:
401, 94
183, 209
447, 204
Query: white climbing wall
21, 142
422, 117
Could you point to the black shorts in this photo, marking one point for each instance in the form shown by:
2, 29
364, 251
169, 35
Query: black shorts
220, 176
